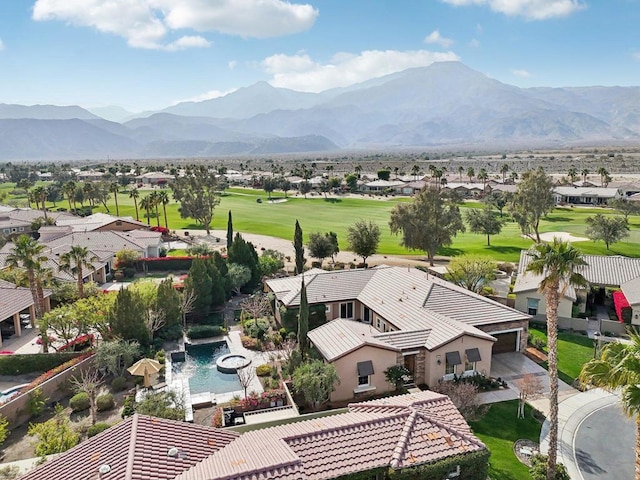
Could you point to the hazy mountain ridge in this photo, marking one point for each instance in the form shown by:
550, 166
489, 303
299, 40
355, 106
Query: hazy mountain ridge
445, 104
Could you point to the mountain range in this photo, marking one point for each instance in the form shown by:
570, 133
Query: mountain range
444, 105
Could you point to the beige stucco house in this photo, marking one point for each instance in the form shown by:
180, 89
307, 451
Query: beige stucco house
17, 309
600, 271
387, 316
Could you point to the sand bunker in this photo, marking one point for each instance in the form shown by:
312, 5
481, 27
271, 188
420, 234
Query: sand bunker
564, 236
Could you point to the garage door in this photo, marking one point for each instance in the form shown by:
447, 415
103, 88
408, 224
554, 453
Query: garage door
506, 342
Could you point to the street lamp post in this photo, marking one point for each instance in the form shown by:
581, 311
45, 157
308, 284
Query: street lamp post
596, 338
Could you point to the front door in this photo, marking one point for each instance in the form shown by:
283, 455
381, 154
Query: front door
410, 364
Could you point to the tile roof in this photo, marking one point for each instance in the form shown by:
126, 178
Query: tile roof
600, 270
410, 299
598, 192
14, 299
95, 221
136, 449
339, 337
631, 290
396, 432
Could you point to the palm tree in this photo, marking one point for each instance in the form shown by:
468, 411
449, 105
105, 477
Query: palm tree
358, 170
585, 173
470, 173
603, 173
573, 173
503, 170
415, 171
113, 188
163, 199
27, 254
26, 184
135, 194
618, 370
155, 202
75, 261
483, 175
147, 204
558, 262
69, 189
460, 172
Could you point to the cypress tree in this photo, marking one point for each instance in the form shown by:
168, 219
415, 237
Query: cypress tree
299, 248
168, 301
303, 320
244, 253
127, 317
200, 283
218, 283
229, 231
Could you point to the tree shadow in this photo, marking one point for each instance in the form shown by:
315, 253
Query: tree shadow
587, 464
558, 219
333, 200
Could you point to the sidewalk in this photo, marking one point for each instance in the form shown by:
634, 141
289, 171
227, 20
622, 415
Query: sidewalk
571, 412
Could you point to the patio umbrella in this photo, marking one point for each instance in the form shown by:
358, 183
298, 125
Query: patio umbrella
145, 368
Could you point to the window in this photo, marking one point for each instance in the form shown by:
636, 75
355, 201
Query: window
365, 370
532, 306
327, 310
378, 323
454, 473
367, 315
451, 360
6, 230
471, 356
346, 310
363, 381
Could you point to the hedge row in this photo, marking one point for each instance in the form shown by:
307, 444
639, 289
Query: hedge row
18, 364
161, 264
205, 331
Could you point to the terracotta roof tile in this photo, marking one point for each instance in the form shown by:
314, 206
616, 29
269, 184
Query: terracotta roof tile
136, 449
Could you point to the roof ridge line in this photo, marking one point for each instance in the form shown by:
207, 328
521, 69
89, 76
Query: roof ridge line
403, 441
128, 474
468, 436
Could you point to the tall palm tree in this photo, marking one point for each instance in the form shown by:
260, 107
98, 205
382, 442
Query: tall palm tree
135, 194
26, 184
27, 254
503, 170
163, 199
470, 173
603, 173
618, 369
113, 188
484, 176
155, 202
147, 204
69, 189
573, 173
585, 173
558, 263
75, 261
460, 172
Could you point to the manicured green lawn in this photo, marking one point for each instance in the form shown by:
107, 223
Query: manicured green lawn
318, 214
499, 429
573, 352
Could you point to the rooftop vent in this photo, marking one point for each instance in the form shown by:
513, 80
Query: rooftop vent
173, 452
105, 468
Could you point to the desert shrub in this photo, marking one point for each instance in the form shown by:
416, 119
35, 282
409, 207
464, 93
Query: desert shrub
105, 402
263, 370
129, 407
118, 384
251, 343
36, 402
80, 402
97, 428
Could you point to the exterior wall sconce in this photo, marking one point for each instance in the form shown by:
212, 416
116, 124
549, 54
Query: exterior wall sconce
438, 360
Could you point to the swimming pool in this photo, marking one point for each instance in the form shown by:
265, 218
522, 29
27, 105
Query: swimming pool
9, 393
200, 367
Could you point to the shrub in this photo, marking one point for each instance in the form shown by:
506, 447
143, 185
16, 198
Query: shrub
36, 402
18, 364
538, 469
205, 331
80, 402
257, 328
263, 370
118, 384
105, 402
129, 272
97, 428
129, 407
251, 343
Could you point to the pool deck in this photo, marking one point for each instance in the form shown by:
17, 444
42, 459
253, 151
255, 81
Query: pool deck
181, 384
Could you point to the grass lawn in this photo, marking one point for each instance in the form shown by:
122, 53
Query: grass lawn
573, 352
499, 429
316, 213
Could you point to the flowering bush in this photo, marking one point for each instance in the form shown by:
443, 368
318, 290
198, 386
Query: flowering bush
162, 230
54, 371
78, 344
217, 418
264, 400
250, 343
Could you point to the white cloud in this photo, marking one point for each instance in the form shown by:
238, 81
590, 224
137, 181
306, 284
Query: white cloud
205, 96
232, 64
529, 9
188, 41
474, 43
521, 73
435, 37
300, 72
1, 45
147, 23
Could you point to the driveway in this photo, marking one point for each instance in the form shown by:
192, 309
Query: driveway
512, 367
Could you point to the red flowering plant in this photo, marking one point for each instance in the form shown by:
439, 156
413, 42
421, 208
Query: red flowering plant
54, 371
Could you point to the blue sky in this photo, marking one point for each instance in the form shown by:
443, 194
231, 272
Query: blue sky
148, 54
